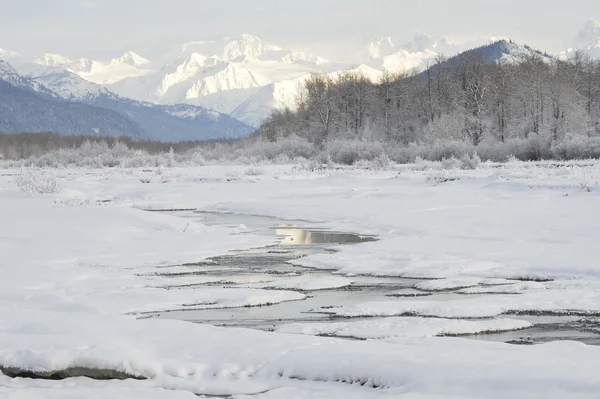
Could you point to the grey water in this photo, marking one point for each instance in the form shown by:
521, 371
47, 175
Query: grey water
293, 239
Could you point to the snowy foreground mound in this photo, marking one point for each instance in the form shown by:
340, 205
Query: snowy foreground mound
79, 267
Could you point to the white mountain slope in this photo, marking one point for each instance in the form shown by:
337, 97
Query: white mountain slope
224, 74
65, 84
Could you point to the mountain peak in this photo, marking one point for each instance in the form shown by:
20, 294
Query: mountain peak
247, 45
250, 37
130, 58
50, 59
6, 53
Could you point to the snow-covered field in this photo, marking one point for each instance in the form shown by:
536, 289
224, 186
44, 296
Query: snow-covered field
79, 264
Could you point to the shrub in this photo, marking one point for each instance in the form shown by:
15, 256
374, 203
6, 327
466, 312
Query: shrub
34, 182
348, 152
577, 148
255, 171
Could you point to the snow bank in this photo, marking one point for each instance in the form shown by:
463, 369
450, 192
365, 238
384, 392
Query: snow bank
515, 288
78, 388
553, 301
409, 327
206, 359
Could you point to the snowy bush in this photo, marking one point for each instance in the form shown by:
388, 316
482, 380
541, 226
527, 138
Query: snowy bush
588, 177
534, 148
438, 151
421, 164
34, 182
441, 154
380, 163
452, 163
348, 152
577, 148
254, 171
470, 162
289, 148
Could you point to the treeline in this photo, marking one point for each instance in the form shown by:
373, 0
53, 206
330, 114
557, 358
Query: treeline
27, 145
464, 99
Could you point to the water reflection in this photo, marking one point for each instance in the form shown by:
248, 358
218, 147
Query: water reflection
297, 236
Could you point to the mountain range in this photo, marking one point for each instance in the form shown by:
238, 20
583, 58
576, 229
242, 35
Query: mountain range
57, 100
224, 87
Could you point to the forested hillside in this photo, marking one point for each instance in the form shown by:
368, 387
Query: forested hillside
490, 96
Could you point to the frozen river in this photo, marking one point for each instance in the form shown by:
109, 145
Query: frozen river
272, 267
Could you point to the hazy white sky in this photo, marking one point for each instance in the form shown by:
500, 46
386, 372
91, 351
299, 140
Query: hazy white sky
104, 28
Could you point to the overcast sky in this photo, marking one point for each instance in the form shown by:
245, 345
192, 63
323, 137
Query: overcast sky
105, 28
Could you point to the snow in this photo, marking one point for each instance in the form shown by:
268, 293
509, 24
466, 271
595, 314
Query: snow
74, 268
391, 328
81, 387
206, 359
109, 248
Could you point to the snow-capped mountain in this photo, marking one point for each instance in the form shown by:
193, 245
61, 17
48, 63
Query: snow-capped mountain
246, 77
28, 106
65, 84
129, 58
502, 51
163, 123
223, 74
242, 76
9, 55
128, 65
10, 75
57, 100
